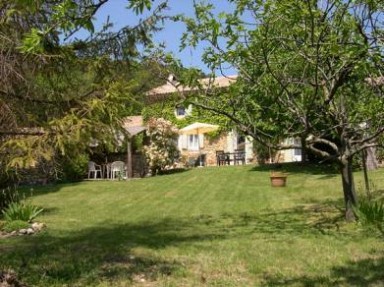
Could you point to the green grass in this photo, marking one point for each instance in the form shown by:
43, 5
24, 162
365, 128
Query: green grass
204, 227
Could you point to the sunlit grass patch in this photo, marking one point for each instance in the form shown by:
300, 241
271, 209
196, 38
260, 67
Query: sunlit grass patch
204, 227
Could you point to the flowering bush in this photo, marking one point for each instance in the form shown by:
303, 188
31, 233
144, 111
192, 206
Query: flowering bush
162, 152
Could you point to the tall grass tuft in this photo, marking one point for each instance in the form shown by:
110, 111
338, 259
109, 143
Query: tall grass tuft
371, 213
21, 211
8, 196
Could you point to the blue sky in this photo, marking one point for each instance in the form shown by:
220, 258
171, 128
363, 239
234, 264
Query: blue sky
170, 36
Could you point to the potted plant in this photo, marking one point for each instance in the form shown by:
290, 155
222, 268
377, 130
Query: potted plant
278, 179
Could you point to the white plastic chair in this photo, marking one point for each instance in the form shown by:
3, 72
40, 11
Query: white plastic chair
117, 169
94, 169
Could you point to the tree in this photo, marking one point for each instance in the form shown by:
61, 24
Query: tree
304, 70
162, 151
59, 92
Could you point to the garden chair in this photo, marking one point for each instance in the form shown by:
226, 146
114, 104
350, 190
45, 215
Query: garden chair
117, 170
239, 157
94, 169
221, 158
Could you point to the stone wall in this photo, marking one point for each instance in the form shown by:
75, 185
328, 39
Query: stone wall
211, 145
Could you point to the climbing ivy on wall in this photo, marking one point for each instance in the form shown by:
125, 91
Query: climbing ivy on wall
166, 109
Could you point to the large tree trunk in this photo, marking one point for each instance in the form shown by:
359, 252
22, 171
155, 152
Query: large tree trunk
365, 171
350, 197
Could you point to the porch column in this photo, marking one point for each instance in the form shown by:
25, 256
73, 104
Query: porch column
129, 158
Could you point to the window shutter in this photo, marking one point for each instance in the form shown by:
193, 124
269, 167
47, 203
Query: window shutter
184, 142
201, 140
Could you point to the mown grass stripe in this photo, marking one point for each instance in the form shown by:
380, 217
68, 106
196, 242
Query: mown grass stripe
204, 227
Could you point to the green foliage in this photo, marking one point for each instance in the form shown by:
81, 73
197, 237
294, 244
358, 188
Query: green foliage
371, 213
8, 196
304, 71
228, 220
285, 86
74, 167
263, 152
15, 225
21, 211
32, 42
166, 109
163, 109
139, 5
58, 94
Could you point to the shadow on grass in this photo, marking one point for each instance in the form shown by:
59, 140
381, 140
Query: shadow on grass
173, 171
112, 252
90, 256
316, 219
364, 272
33, 190
327, 170
29, 190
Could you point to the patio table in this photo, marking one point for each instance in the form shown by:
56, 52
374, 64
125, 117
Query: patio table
236, 157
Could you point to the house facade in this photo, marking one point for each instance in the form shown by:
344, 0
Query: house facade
292, 154
165, 101
192, 146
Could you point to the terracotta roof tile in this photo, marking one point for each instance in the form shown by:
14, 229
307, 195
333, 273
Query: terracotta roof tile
133, 124
173, 87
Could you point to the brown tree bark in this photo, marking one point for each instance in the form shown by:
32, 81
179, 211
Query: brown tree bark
350, 197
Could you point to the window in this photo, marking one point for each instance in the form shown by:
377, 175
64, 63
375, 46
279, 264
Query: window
240, 139
180, 111
193, 142
240, 142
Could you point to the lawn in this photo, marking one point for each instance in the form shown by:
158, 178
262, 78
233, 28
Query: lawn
222, 226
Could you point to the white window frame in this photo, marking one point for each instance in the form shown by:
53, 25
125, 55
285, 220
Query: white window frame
193, 142
187, 111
